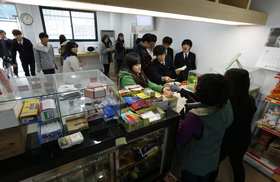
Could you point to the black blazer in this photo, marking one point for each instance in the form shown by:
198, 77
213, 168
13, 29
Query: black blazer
8, 45
141, 51
159, 70
25, 50
189, 62
170, 53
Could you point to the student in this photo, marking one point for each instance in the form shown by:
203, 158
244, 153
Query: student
25, 49
132, 74
237, 137
141, 50
162, 67
185, 58
166, 42
5, 49
71, 63
120, 50
63, 41
152, 45
150, 58
201, 131
106, 54
44, 55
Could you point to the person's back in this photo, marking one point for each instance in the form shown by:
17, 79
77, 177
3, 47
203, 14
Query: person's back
71, 63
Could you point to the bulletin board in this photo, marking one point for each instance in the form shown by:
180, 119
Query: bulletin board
270, 56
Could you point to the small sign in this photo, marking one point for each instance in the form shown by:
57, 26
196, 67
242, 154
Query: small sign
259, 125
48, 84
35, 79
93, 80
50, 90
36, 86
121, 141
23, 88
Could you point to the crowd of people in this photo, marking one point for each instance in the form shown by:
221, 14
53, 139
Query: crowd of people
216, 120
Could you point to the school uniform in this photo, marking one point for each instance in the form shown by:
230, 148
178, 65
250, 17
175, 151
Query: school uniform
185, 59
5, 50
169, 51
161, 69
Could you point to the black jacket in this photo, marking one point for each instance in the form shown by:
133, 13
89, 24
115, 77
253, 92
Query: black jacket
120, 50
26, 53
8, 45
141, 51
159, 70
189, 62
170, 53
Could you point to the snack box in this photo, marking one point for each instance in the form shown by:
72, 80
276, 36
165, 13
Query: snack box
30, 111
70, 140
130, 119
172, 101
134, 88
92, 112
9, 114
95, 90
151, 115
143, 96
48, 110
76, 123
48, 132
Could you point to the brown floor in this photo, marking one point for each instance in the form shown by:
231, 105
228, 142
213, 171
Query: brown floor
225, 173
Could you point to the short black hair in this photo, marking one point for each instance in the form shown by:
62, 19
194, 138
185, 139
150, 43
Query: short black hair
167, 40
43, 35
147, 37
2, 31
138, 40
16, 32
187, 41
213, 90
159, 50
68, 48
154, 37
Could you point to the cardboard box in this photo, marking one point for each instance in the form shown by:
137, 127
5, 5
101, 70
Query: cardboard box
130, 126
9, 114
273, 151
147, 121
12, 142
95, 90
55, 131
48, 110
76, 123
172, 101
264, 138
30, 111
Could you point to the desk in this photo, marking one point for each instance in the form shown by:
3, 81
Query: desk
80, 55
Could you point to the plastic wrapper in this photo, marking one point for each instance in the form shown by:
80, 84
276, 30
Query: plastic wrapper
270, 120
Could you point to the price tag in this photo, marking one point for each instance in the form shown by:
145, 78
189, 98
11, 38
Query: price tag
34, 79
273, 101
50, 90
23, 88
93, 79
259, 125
48, 84
36, 86
121, 141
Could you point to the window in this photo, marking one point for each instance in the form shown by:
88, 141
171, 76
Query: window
8, 19
74, 24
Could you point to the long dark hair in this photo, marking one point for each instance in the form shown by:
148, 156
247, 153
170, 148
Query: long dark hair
103, 40
129, 61
68, 48
62, 39
240, 81
118, 39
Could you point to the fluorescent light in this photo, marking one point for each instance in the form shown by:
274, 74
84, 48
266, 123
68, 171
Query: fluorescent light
114, 9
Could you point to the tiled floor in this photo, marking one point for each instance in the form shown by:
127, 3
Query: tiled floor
252, 174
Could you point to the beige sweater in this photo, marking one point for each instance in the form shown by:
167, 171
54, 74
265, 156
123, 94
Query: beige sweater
71, 64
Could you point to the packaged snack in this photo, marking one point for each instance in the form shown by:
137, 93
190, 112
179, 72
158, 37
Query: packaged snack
70, 140
270, 120
76, 123
264, 139
95, 90
169, 178
277, 126
139, 105
130, 100
30, 111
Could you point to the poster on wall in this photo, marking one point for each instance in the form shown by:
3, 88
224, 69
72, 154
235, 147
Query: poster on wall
270, 56
133, 28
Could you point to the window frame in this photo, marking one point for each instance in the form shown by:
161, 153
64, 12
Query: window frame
68, 9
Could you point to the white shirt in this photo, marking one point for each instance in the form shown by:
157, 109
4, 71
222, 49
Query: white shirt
185, 54
71, 64
150, 52
20, 42
163, 62
44, 47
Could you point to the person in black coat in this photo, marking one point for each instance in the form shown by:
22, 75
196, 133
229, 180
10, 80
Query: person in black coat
185, 58
26, 54
140, 49
166, 42
237, 137
162, 67
120, 50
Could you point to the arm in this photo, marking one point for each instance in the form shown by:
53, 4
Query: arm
52, 54
155, 87
193, 63
172, 54
127, 80
191, 126
176, 61
75, 64
103, 49
37, 59
14, 53
118, 47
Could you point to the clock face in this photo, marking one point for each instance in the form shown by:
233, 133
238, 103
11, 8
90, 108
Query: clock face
26, 18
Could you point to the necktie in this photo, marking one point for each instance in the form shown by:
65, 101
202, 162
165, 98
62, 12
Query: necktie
186, 56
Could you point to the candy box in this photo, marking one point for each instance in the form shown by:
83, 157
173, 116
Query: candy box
139, 105
48, 110
95, 90
273, 151
70, 140
151, 115
30, 111
92, 112
134, 88
264, 139
130, 119
76, 123
48, 132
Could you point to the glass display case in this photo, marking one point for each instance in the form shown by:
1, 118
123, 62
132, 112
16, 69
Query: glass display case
257, 77
87, 94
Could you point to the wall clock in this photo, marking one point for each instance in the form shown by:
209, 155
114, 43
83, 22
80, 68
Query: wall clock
26, 18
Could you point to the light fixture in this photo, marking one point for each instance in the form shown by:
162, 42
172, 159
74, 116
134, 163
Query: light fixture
215, 15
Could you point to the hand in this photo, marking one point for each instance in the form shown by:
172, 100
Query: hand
14, 65
81, 64
112, 50
167, 90
109, 49
153, 59
123, 45
38, 71
178, 71
175, 88
166, 78
55, 66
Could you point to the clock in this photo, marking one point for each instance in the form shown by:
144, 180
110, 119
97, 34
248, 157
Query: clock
26, 18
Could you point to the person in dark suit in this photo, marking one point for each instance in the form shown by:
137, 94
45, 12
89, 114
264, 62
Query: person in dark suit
163, 67
140, 49
166, 42
26, 54
185, 58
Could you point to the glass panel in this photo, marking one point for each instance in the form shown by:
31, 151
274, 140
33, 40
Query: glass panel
83, 25
57, 22
7, 11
